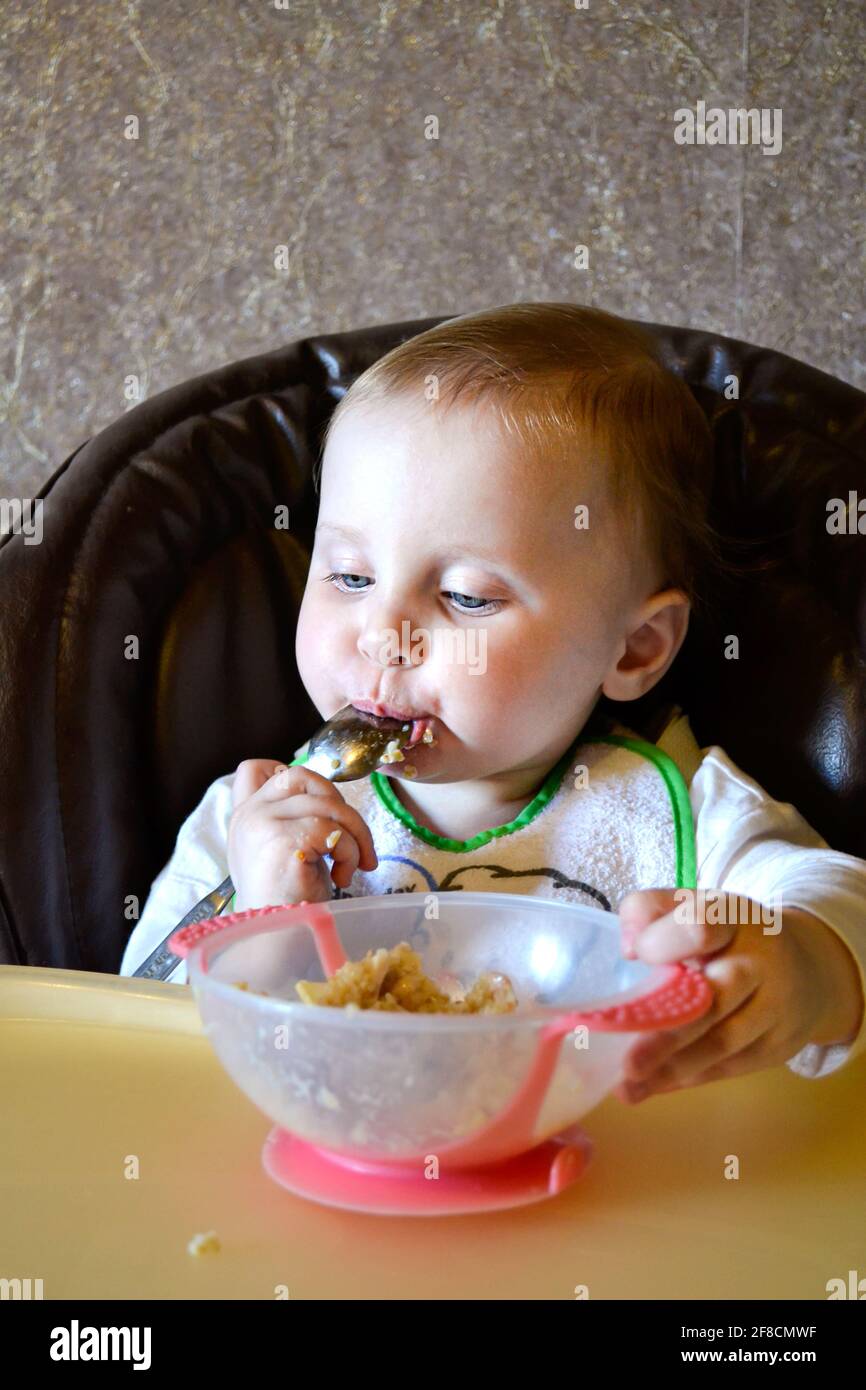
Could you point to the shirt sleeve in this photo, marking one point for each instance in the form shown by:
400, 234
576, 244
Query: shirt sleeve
747, 843
198, 865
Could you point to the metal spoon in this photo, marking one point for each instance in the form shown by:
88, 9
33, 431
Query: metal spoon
349, 746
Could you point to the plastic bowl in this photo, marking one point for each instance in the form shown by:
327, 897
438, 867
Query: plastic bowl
393, 1087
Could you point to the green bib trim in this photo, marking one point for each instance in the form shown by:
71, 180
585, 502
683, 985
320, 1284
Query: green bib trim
388, 797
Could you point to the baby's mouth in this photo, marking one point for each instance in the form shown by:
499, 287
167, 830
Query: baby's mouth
421, 730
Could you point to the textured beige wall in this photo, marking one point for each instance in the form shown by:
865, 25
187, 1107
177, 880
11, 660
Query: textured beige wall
305, 127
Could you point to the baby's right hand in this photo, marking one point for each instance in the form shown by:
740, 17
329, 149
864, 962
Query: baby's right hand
280, 811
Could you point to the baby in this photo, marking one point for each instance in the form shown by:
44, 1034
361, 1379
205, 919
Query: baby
512, 523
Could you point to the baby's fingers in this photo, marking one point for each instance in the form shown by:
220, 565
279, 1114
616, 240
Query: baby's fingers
735, 982
681, 933
738, 1045
314, 804
321, 836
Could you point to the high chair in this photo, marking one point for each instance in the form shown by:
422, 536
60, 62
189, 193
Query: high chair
147, 643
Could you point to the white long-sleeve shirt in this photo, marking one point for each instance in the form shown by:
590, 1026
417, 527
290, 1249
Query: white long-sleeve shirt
744, 841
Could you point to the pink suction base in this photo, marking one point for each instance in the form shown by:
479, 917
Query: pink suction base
386, 1189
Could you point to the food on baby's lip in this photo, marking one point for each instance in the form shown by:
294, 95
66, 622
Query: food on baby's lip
394, 754
420, 730
394, 980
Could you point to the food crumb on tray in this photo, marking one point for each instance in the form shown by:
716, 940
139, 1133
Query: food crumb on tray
206, 1243
394, 980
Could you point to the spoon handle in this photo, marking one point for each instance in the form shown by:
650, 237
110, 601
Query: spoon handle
161, 961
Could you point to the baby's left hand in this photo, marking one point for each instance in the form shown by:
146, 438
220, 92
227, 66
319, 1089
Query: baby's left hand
773, 990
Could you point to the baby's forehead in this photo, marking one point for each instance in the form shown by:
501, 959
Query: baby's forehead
465, 442
460, 456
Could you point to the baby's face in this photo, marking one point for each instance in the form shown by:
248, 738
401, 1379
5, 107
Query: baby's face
454, 551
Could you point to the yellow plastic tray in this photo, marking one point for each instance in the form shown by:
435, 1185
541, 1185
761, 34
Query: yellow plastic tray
99, 1074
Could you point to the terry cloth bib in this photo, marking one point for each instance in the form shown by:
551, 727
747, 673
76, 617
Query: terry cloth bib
588, 836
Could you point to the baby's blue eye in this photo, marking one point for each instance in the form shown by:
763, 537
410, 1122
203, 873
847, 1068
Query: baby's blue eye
481, 602
332, 579
471, 605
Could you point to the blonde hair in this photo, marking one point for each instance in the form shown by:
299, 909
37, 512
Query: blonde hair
562, 375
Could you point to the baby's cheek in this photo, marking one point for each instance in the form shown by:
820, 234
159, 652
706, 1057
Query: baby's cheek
308, 654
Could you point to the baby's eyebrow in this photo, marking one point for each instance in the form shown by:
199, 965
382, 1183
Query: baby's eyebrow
451, 552
350, 532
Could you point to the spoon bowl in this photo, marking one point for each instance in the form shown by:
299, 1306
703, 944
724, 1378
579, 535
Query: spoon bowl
353, 744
